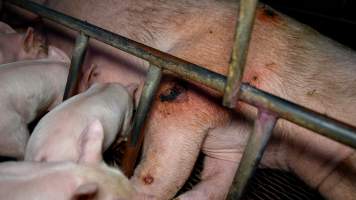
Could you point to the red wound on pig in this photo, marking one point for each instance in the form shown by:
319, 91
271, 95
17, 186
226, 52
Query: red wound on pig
147, 180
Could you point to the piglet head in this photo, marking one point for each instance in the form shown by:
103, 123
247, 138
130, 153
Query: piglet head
105, 183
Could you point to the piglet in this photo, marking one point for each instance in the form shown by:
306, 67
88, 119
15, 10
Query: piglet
28, 89
88, 179
22, 46
57, 135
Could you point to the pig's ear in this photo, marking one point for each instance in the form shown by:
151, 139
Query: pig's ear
91, 143
88, 77
28, 40
85, 191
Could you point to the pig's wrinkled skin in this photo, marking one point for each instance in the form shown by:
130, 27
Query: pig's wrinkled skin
285, 58
58, 133
28, 89
87, 179
21, 46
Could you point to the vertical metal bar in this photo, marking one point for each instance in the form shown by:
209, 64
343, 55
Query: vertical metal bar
135, 141
256, 145
78, 56
247, 10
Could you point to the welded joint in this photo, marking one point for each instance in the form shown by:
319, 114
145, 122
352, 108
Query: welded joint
78, 55
253, 153
246, 17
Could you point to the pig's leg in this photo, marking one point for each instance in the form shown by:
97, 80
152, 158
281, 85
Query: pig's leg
167, 162
223, 148
215, 182
340, 183
175, 131
14, 135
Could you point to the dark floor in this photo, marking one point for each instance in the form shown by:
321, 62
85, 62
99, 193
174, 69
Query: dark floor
333, 18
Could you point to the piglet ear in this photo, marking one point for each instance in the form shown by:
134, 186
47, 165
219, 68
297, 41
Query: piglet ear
28, 39
86, 191
91, 143
88, 77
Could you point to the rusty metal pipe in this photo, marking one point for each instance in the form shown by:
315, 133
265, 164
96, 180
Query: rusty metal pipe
81, 44
252, 155
304, 117
247, 11
153, 79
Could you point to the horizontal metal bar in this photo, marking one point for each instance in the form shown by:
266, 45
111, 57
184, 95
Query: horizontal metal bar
78, 56
252, 155
304, 117
247, 11
153, 79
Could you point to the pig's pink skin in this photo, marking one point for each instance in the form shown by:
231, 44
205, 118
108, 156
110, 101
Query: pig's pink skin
28, 89
88, 178
285, 58
21, 46
5, 28
58, 133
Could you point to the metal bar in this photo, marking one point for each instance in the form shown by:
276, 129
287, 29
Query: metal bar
304, 117
153, 79
81, 44
154, 56
256, 145
247, 10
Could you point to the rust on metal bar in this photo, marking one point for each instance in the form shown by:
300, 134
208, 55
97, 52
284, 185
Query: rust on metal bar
299, 115
247, 11
253, 153
153, 79
81, 44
